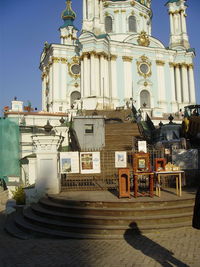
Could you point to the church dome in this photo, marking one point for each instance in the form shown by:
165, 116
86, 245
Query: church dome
68, 15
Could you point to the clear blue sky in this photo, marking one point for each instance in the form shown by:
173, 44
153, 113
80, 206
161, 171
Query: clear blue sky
26, 24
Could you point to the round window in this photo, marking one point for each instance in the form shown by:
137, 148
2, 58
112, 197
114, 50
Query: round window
75, 69
144, 68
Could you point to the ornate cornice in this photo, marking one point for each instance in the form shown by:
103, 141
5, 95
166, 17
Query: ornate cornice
160, 63
59, 59
181, 65
113, 57
127, 58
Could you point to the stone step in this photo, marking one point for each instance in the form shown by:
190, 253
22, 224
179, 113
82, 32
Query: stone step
134, 211
80, 227
39, 230
122, 203
108, 220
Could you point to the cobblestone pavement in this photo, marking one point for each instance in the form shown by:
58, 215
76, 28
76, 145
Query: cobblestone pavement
172, 248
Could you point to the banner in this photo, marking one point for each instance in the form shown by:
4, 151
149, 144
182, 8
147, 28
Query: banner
69, 162
90, 162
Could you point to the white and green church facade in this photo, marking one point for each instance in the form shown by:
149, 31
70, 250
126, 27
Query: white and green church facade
116, 61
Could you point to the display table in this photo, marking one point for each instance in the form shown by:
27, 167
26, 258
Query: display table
135, 182
177, 174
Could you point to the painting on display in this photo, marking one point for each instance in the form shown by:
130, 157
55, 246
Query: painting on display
185, 159
90, 162
120, 159
69, 162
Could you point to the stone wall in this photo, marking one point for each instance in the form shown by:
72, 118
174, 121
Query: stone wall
3, 199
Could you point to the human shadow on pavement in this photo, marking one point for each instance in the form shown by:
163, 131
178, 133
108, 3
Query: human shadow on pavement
150, 248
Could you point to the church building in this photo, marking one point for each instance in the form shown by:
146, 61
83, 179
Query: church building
115, 61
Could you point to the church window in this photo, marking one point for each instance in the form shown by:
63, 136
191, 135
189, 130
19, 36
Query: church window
108, 24
145, 99
75, 69
132, 24
75, 96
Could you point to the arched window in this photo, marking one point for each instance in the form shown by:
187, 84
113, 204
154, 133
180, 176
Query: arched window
108, 24
145, 99
75, 96
132, 24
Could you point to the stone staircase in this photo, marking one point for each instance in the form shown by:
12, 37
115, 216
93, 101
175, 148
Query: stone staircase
62, 218
120, 136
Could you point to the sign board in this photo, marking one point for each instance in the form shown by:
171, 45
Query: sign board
142, 146
185, 159
120, 159
69, 162
90, 162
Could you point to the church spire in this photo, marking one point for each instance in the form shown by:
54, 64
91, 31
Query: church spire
68, 30
68, 15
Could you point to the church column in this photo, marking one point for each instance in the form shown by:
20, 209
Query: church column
173, 90
106, 78
97, 75
101, 12
56, 85
50, 87
84, 9
113, 79
185, 84
86, 64
102, 69
117, 26
82, 77
178, 84
171, 23
192, 85
92, 74
161, 84
127, 77
183, 22
44, 75
63, 79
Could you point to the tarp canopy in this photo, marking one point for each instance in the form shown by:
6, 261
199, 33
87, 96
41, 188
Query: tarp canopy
9, 148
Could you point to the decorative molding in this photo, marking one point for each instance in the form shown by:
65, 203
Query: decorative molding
160, 63
113, 57
116, 11
132, 3
76, 85
141, 64
127, 58
123, 11
58, 59
179, 65
143, 39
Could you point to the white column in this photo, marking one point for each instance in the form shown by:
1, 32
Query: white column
113, 77
63, 85
56, 85
82, 77
127, 78
44, 92
192, 85
173, 90
86, 76
84, 9
185, 84
161, 85
102, 74
178, 84
50, 86
106, 78
183, 22
92, 74
101, 12
97, 79
171, 23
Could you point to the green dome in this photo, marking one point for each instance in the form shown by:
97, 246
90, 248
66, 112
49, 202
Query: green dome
68, 15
